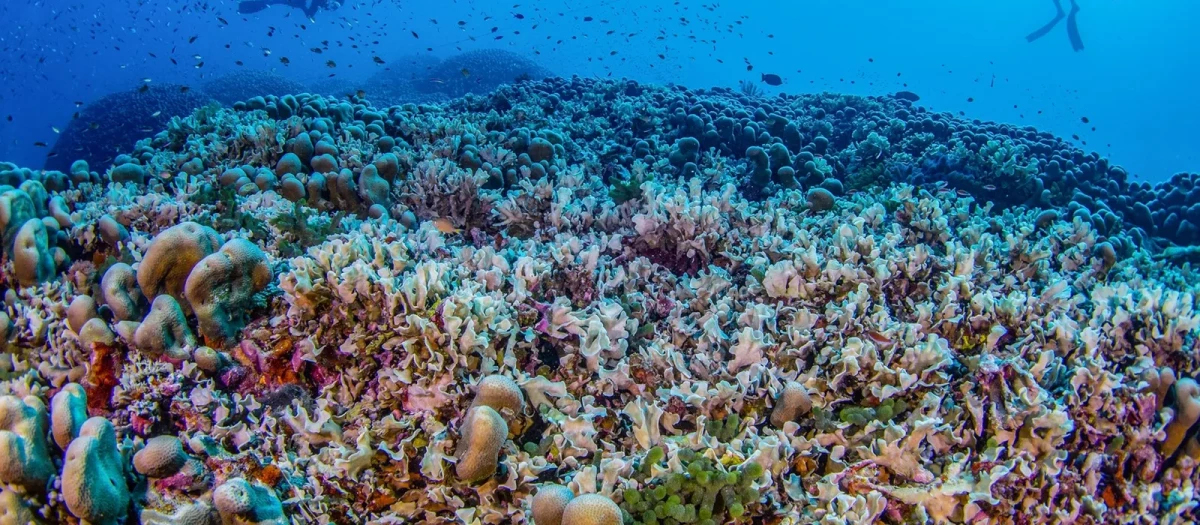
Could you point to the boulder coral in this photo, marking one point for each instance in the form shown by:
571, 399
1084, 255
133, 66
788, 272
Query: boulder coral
195, 513
221, 288
792, 403
111, 231
169, 260
592, 509
16, 208
119, 289
164, 331
81, 310
549, 504
93, 477
94, 332
1187, 412
500, 393
483, 434
68, 413
161, 457
242, 502
33, 262
14, 511
24, 456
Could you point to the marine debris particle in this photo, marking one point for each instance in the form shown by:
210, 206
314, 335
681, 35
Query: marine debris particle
593, 300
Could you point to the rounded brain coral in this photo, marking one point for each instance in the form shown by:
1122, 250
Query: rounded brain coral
792, 403
549, 503
161, 457
483, 434
592, 509
499, 392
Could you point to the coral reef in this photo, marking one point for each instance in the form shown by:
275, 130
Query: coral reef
115, 122
245, 84
479, 71
579, 301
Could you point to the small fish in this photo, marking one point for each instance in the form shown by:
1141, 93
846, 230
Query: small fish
378, 60
1084, 120
285, 60
330, 63
156, 113
879, 338
193, 39
55, 130
989, 187
445, 226
144, 88
40, 144
466, 73
771, 79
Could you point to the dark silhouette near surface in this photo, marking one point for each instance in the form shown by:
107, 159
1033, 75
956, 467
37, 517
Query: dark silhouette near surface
1072, 25
310, 7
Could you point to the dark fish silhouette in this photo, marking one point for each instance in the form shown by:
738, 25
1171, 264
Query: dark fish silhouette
907, 95
772, 79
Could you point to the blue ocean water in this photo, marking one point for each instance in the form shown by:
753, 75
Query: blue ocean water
1132, 82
